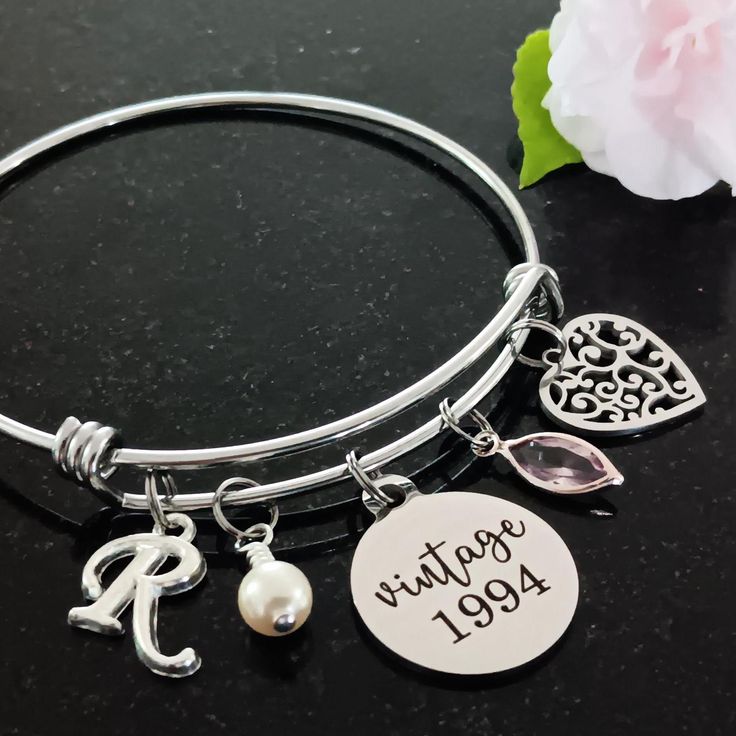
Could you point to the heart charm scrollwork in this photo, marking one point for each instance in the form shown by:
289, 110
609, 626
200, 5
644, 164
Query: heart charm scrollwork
617, 377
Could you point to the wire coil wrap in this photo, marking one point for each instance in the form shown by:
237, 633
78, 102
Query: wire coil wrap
547, 303
81, 451
258, 553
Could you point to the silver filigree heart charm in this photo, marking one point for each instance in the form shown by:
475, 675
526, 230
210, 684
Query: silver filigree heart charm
617, 377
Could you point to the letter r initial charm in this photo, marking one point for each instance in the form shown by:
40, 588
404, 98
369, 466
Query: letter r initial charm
139, 583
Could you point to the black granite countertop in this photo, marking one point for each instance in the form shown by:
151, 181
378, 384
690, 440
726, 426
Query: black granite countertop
223, 277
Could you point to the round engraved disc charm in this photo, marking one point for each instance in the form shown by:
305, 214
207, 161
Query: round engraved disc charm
464, 583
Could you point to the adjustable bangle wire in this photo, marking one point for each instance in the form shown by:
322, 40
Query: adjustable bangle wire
522, 287
370, 462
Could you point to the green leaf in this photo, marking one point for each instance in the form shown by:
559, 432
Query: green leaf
545, 149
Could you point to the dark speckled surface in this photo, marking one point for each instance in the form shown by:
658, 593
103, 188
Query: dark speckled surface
233, 278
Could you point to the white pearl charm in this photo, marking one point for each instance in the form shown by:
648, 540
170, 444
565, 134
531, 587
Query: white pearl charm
275, 597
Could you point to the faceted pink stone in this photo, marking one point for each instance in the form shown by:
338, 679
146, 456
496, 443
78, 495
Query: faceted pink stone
565, 461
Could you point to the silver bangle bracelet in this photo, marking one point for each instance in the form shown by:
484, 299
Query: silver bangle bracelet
426, 556
88, 452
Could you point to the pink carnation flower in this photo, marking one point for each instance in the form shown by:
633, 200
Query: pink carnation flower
646, 90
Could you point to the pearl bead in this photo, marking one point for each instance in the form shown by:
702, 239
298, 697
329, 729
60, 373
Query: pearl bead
275, 598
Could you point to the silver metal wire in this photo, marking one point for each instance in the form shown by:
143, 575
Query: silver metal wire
371, 461
521, 291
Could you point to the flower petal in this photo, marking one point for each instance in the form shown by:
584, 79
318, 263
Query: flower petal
656, 164
644, 89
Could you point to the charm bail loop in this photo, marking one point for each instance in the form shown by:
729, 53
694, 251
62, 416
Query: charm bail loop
245, 543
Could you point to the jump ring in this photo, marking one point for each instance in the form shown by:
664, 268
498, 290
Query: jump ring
479, 442
538, 324
252, 532
485, 444
161, 521
365, 481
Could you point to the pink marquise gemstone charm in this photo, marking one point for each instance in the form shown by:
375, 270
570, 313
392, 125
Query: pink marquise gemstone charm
560, 463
